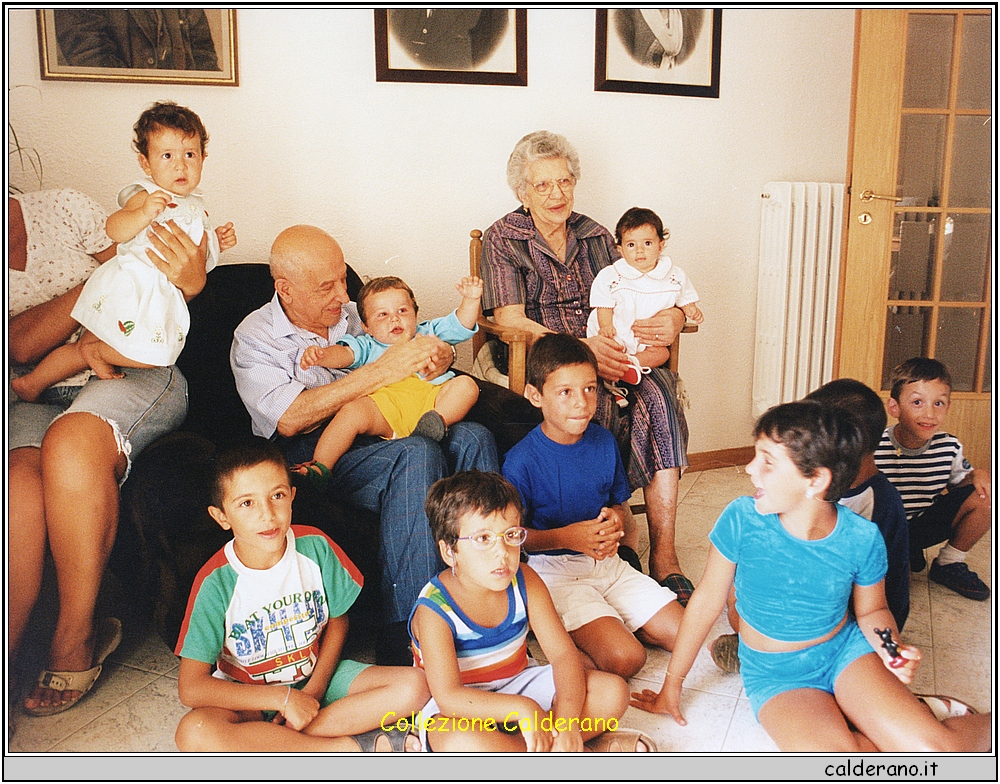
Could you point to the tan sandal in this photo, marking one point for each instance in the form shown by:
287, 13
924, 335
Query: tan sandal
620, 741
109, 635
945, 707
725, 650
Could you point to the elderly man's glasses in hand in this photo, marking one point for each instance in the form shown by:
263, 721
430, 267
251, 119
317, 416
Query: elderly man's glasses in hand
484, 540
545, 187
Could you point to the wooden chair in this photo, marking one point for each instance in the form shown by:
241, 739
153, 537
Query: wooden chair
518, 340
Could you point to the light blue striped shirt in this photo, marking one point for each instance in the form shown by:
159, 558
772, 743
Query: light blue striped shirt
265, 361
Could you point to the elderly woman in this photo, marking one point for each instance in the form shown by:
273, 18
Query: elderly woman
538, 265
69, 451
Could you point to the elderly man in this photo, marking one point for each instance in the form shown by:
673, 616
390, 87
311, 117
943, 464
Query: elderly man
391, 478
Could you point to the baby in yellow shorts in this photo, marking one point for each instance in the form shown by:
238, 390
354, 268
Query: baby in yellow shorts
413, 406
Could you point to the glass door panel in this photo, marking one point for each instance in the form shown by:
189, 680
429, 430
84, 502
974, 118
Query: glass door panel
966, 258
975, 77
928, 61
970, 179
921, 159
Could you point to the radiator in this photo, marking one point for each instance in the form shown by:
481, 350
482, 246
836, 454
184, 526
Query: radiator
800, 239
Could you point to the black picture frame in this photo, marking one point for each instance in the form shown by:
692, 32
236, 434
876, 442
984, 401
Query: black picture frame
492, 48
629, 56
102, 39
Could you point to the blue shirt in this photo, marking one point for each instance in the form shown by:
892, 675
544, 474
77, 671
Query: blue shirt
562, 484
448, 328
795, 589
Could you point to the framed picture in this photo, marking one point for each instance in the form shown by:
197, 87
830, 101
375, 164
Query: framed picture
452, 45
669, 51
166, 45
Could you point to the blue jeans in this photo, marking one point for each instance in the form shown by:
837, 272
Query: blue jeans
391, 479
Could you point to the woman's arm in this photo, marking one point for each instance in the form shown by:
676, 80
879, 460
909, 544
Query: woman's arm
661, 329
35, 332
706, 603
513, 316
177, 257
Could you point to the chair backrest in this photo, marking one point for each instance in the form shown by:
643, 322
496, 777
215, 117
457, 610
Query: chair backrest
232, 291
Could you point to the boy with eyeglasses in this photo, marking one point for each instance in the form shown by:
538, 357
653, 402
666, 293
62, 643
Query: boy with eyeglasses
469, 633
569, 473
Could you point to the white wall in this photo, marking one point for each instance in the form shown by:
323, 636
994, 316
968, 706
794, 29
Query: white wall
400, 173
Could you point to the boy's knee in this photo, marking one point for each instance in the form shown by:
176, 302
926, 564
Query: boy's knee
607, 694
191, 732
624, 659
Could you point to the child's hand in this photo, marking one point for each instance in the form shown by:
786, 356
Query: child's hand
906, 672
569, 740
597, 538
311, 356
693, 313
982, 482
607, 332
470, 287
155, 203
667, 701
300, 710
226, 235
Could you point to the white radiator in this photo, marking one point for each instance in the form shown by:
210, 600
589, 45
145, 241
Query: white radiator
800, 238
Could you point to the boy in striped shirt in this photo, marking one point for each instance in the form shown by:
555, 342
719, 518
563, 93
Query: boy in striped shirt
946, 499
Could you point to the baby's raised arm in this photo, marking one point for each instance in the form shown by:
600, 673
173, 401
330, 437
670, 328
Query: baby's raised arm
138, 212
471, 289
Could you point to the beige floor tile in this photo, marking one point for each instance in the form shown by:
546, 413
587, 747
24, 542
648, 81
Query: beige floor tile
148, 653
958, 623
694, 523
708, 717
917, 630
925, 682
117, 684
745, 734
718, 487
145, 722
968, 676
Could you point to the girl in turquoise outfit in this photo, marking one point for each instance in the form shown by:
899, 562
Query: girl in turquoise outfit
810, 595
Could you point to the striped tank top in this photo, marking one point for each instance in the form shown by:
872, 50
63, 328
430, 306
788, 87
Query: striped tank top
484, 654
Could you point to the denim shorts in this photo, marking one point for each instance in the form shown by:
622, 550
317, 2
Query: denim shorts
766, 675
140, 408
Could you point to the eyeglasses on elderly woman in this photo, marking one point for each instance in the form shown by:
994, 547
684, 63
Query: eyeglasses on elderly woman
484, 540
545, 187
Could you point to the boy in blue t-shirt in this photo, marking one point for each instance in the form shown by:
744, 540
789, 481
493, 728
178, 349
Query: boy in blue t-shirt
569, 473
261, 639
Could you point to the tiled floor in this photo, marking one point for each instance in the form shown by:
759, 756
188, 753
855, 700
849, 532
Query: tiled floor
134, 707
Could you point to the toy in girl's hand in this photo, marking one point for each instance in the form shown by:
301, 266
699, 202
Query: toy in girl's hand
895, 660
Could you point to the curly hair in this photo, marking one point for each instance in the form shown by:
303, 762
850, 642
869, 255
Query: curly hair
167, 114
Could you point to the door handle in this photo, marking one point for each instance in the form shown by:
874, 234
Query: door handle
868, 195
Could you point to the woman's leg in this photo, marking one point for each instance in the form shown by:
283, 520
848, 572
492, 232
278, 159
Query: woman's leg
81, 466
661, 515
881, 707
25, 541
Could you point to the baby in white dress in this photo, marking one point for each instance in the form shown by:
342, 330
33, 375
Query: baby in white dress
133, 315
638, 286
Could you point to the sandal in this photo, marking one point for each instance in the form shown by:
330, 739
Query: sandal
397, 739
316, 474
620, 740
945, 707
725, 650
109, 635
680, 585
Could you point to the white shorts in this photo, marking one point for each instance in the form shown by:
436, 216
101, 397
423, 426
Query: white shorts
534, 682
584, 590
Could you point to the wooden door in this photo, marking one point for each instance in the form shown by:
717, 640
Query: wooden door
916, 277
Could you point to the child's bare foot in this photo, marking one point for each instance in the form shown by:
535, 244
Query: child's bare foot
27, 388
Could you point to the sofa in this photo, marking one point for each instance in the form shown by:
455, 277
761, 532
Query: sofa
165, 533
